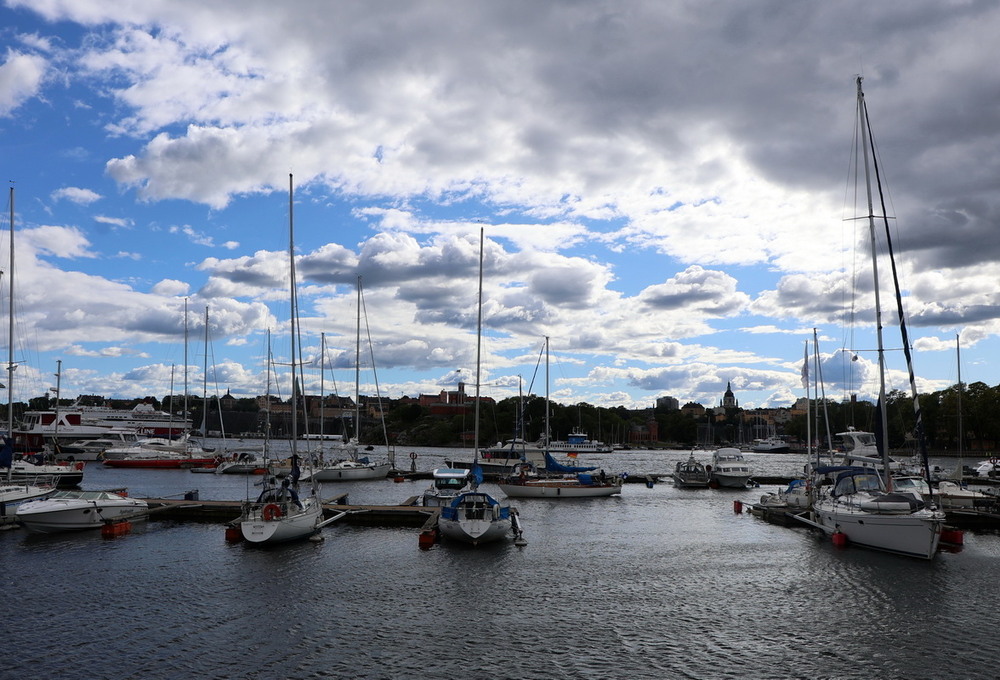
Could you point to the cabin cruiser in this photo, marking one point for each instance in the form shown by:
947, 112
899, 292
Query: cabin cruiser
729, 468
447, 484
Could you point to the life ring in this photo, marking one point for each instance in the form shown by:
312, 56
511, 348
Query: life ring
270, 512
995, 460
413, 455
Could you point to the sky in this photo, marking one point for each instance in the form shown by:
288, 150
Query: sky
666, 190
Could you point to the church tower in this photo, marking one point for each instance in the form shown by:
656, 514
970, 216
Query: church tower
729, 399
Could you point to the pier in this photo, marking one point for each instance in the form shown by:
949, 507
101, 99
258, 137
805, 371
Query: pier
193, 510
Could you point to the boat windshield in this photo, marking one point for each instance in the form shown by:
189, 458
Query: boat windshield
853, 483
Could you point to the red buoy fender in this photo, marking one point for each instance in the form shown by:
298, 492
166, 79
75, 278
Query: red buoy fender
271, 512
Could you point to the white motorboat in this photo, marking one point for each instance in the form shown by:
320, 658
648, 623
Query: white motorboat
14, 494
770, 445
62, 474
77, 510
730, 469
93, 449
447, 484
794, 498
953, 496
242, 463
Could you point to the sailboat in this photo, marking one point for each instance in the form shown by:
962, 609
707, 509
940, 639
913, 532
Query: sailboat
353, 467
24, 480
861, 503
555, 479
280, 513
474, 516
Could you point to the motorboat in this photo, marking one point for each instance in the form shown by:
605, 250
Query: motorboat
577, 442
141, 448
242, 463
795, 497
446, 485
953, 496
157, 452
729, 468
93, 449
770, 445
77, 510
14, 494
859, 449
690, 474
62, 474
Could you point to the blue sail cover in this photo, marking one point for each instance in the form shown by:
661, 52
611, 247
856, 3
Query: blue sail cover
477, 474
7, 453
553, 466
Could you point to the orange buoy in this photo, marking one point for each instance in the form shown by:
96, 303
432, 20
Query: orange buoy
233, 535
398, 479
737, 507
953, 536
427, 539
115, 529
839, 539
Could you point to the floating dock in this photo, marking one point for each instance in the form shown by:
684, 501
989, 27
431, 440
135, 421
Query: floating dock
193, 510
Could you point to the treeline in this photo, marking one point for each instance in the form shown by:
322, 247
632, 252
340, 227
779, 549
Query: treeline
974, 410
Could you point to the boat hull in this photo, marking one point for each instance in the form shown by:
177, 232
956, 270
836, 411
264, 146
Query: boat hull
731, 481
51, 516
161, 463
260, 527
350, 474
12, 496
475, 518
547, 489
915, 534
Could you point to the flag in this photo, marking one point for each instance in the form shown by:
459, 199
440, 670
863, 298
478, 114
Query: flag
805, 366
571, 454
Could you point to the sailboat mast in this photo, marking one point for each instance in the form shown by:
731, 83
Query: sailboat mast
883, 410
357, 369
185, 362
961, 435
294, 314
479, 342
204, 383
547, 437
10, 332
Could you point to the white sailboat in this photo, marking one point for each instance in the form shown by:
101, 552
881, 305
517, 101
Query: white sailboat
554, 479
861, 504
280, 513
24, 481
353, 467
474, 516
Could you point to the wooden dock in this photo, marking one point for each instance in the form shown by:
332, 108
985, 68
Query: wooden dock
193, 510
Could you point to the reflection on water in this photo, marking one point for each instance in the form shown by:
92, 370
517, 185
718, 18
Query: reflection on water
657, 583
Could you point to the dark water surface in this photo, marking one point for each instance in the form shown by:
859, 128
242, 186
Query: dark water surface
657, 583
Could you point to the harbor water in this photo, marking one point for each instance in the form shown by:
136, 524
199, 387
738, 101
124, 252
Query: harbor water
656, 583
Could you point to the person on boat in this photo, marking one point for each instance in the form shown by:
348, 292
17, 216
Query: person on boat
288, 492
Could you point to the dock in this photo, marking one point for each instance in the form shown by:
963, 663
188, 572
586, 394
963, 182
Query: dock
192, 510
